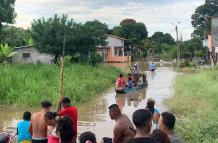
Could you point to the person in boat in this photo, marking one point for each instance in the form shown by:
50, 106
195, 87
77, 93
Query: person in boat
38, 127
68, 110
142, 121
121, 130
51, 122
152, 66
166, 123
120, 82
22, 129
136, 73
155, 113
130, 83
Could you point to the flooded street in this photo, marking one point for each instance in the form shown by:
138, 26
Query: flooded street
93, 115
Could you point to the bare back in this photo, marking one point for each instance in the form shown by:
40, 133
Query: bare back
122, 133
38, 126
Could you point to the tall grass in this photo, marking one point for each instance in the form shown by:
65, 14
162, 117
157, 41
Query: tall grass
196, 106
25, 85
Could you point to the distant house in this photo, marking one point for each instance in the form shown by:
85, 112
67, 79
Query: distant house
114, 51
29, 54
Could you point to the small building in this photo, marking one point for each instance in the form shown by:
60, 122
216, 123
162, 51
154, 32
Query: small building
29, 54
114, 51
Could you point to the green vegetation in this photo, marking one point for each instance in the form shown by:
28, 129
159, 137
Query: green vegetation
7, 13
199, 22
25, 85
81, 39
6, 53
196, 106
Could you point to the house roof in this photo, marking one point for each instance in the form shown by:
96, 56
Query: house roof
117, 37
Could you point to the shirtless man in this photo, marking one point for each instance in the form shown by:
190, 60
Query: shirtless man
121, 130
38, 126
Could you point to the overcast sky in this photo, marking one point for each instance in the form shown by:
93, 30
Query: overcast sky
157, 15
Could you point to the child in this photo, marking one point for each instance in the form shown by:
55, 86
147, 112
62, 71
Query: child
22, 129
50, 121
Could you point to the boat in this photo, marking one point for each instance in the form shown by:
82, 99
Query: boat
133, 89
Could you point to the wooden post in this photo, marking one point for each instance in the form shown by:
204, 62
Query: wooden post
62, 69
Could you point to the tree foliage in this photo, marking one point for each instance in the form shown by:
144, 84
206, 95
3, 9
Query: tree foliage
6, 52
81, 40
161, 38
7, 13
210, 8
192, 48
128, 21
135, 33
14, 36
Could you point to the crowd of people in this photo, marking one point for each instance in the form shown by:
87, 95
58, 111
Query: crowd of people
61, 126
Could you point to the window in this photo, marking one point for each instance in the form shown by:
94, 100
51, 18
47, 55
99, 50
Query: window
26, 55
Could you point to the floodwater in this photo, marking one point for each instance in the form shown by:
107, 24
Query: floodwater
93, 115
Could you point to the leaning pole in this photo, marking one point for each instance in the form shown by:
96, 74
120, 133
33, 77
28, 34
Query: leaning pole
62, 69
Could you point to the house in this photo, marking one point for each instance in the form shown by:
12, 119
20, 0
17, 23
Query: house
114, 51
29, 54
212, 39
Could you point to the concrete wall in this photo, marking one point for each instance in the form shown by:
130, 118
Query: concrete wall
114, 42
35, 56
113, 58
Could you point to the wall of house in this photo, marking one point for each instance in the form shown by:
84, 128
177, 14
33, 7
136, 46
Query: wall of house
114, 58
114, 42
31, 55
209, 43
103, 53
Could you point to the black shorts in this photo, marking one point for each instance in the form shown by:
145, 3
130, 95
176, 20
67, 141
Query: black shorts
152, 70
40, 141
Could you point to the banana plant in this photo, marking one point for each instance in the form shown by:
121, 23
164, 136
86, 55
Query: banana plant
6, 52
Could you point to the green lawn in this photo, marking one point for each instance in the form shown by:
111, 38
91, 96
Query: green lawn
26, 85
196, 106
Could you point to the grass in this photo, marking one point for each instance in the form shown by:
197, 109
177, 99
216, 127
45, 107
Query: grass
196, 106
26, 85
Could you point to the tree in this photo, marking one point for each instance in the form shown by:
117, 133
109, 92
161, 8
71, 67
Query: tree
6, 52
49, 34
7, 13
128, 21
161, 38
14, 36
192, 48
81, 40
147, 47
198, 18
134, 32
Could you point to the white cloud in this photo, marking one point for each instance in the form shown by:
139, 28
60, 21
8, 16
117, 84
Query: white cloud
156, 16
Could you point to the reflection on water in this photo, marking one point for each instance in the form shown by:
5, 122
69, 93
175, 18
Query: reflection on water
93, 115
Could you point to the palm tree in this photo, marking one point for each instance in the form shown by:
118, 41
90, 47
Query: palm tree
6, 52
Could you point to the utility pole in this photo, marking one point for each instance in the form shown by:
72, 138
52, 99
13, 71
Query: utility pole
177, 48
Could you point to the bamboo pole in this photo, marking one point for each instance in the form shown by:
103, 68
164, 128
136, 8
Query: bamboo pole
62, 69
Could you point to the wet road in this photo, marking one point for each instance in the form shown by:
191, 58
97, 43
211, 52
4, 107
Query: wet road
93, 115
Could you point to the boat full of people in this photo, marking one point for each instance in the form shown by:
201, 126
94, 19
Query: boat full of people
132, 83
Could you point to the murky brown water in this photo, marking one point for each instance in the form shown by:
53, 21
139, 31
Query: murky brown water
93, 115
